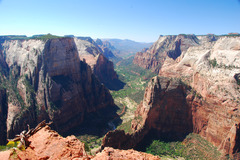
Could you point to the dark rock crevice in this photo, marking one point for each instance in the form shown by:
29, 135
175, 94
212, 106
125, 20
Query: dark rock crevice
174, 54
236, 148
3, 116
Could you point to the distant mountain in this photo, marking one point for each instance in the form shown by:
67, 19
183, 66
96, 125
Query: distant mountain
126, 47
108, 49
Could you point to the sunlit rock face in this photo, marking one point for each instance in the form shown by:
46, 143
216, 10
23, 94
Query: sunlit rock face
94, 56
197, 91
166, 46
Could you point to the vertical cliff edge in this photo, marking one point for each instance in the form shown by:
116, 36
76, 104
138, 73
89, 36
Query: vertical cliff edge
46, 79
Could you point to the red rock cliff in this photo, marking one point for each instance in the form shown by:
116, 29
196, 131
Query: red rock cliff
198, 92
171, 46
101, 66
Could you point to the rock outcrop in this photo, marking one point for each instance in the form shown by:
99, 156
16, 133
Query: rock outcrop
48, 144
165, 46
196, 92
103, 68
47, 80
106, 48
163, 113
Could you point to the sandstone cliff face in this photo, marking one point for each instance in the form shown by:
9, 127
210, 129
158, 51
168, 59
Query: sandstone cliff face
165, 46
168, 96
210, 70
101, 66
197, 92
47, 80
106, 74
106, 48
163, 113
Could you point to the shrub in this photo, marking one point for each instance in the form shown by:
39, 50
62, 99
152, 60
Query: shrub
12, 144
174, 149
213, 62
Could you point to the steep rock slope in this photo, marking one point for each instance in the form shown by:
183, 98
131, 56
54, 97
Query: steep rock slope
47, 80
163, 113
165, 46
106, 48
197, 92
211, 70
103, 68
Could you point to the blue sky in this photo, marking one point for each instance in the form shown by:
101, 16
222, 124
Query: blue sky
139, 20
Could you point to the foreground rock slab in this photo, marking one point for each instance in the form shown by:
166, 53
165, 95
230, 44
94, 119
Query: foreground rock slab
48, 144
4, 155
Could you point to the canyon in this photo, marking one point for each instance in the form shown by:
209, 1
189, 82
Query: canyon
63, 80
196, 90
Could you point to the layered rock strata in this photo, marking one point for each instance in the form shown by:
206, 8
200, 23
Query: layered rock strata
198, 91
48, 80
166, 46
93, 55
